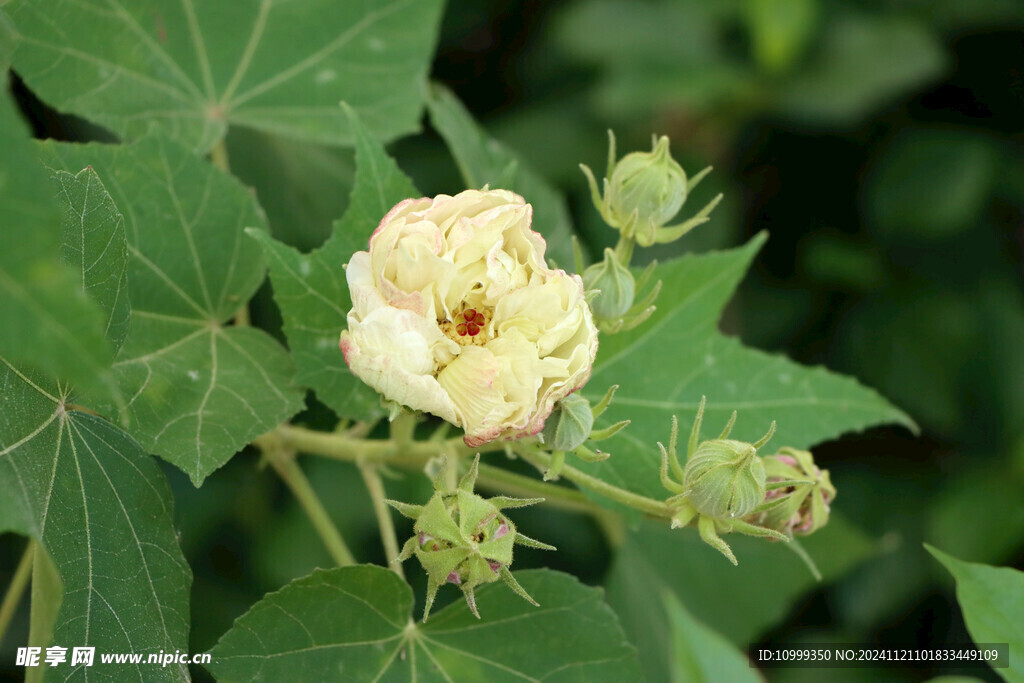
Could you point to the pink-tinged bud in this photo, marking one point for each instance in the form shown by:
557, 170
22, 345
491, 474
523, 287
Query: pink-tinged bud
804, 505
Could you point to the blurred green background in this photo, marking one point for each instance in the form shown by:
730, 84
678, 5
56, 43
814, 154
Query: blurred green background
880, 144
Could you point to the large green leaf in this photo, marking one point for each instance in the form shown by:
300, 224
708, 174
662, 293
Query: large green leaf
702, 655
197, 67
485, 161
197, 391
667, 364
102, 511
311, 289
992, 600
741, 603
355, 623
302, 210
94, 245
48, 321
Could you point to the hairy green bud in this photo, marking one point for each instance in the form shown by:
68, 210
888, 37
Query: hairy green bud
645, 191
723, 481
616, 285
724, 478
569, 425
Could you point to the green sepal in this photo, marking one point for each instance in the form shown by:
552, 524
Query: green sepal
510, 581
587, 455
468, 481
437, 521
508, 503
605, 401
523, 539
405, 509
609, 432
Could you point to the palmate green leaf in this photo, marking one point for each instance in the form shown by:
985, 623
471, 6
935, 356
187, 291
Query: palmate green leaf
48, 322
666, 365
197, 391
992, 600
311, 289
197, 67
484, 161
94, 244
740, 603
102, 511
355, 624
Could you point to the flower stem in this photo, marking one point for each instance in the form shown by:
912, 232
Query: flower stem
571, 500
542, 461
19, 582
413, 455
624, 250
282, 459
375, 487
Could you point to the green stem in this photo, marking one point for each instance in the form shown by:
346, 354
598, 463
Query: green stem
416, 453
402, 428
624, 250
498, 479
571, 500
19, 582
283, 462
375, 487
542, 461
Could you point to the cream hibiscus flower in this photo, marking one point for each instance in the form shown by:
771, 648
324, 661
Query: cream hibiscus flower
455, 313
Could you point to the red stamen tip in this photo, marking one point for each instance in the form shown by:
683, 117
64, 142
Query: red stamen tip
469, 314
473, 329
461, 328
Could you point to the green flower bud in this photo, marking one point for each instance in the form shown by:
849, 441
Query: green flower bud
724, 478
464, 539
616, 286
645, 191
569, 425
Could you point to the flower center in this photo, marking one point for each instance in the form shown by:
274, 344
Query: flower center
469, 327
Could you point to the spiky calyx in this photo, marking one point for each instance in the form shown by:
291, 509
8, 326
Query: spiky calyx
723, 481
464, 539
643, 191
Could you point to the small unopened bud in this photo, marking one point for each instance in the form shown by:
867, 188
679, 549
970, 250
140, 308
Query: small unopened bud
616, 285
804, 493
724, 478
569, 425
645, 191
